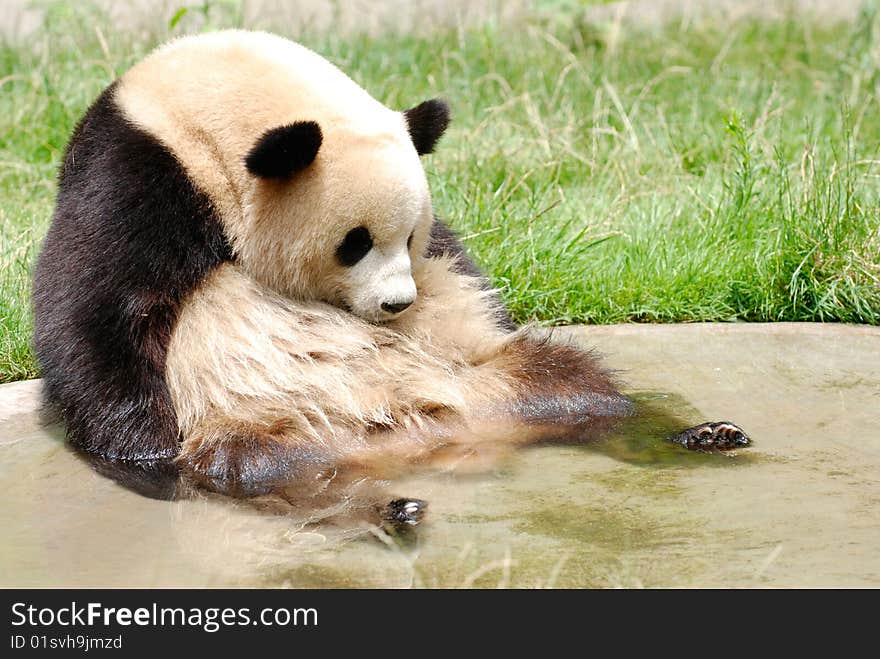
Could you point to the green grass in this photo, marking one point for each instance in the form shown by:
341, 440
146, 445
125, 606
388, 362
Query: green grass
697, 173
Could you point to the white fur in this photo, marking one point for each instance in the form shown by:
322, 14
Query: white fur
384, 275
244, 356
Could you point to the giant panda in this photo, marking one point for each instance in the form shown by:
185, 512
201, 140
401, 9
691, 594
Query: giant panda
244, 275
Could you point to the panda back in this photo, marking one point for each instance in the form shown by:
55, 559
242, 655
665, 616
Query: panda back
130, 239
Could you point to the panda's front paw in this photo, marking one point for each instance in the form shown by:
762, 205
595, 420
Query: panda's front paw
713, 436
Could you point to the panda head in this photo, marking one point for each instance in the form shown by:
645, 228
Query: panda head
341, 214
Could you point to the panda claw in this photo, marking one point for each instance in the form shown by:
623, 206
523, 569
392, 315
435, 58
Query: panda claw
401, 514
712, 436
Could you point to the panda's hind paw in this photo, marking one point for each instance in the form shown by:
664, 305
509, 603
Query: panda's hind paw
713, 436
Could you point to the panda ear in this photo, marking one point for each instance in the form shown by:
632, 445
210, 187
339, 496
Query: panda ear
283, 151
426, 123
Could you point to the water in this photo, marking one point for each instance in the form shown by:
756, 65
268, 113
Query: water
797, 509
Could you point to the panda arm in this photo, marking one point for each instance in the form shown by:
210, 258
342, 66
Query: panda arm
443, 242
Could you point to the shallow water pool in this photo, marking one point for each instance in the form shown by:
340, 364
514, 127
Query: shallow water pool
797, 509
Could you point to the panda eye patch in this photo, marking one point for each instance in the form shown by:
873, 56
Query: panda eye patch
354, 246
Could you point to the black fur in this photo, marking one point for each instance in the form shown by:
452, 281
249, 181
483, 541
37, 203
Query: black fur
442, 241
283, 151
426, 123
130, 239
355, 246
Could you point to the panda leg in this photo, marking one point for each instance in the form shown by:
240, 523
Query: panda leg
242, 460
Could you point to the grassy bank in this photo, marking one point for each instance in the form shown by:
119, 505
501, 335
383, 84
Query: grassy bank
600, 175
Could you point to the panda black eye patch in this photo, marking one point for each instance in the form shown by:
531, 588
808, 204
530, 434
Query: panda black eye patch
354, 246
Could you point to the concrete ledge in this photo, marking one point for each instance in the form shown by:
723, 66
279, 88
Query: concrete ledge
19, 398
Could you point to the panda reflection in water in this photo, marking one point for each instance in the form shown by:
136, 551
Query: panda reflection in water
244, 276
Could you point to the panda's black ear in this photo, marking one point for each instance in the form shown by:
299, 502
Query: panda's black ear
426, 123
282, 152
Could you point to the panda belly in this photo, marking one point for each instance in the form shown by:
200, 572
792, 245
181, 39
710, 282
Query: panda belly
266, 389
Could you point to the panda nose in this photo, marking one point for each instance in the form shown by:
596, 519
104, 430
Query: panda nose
397, 307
